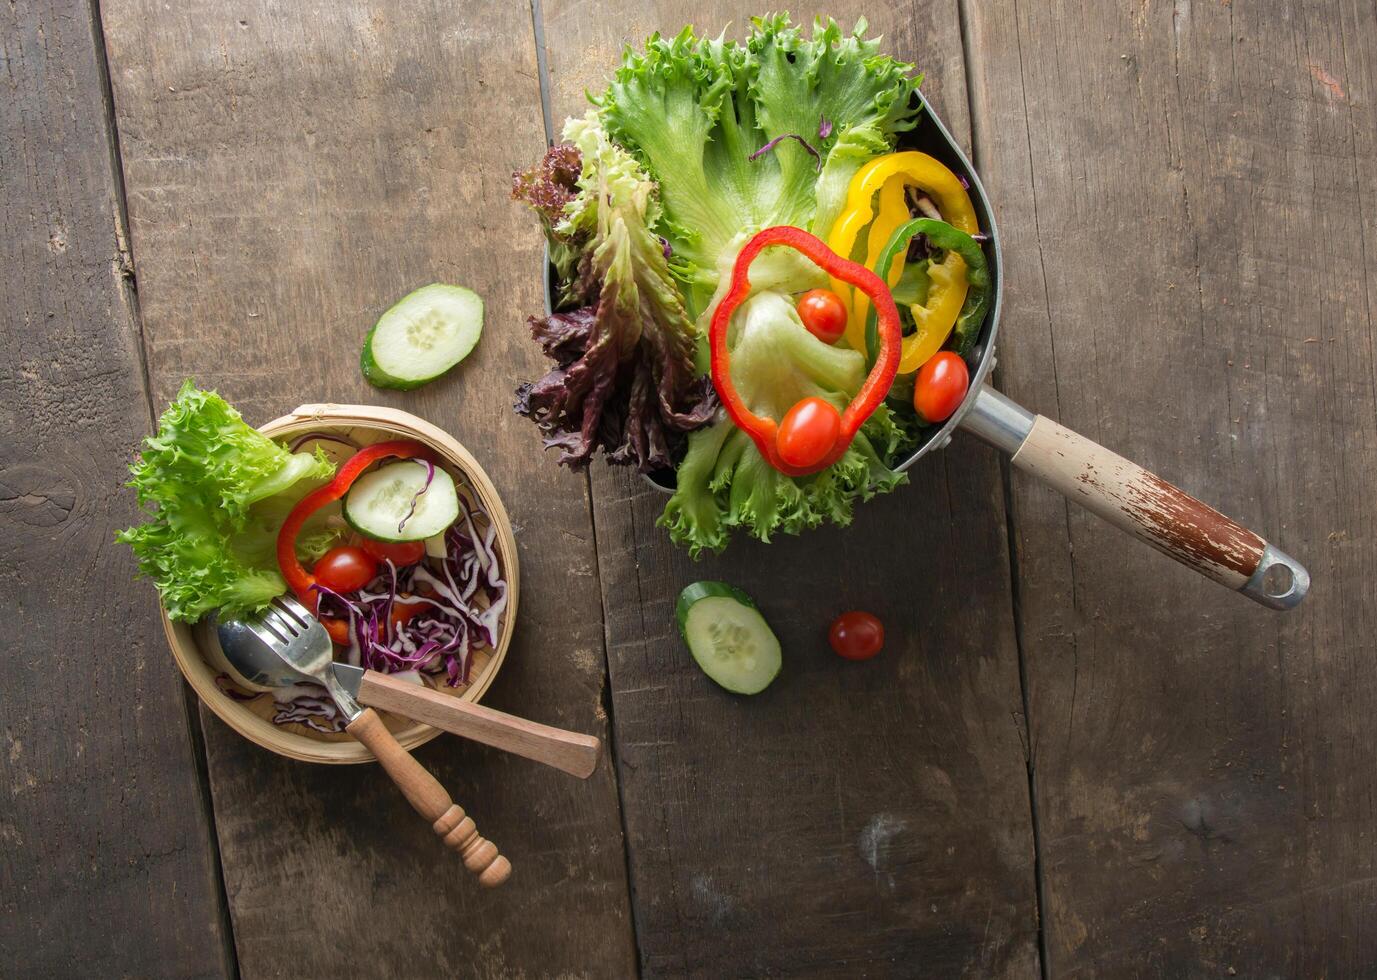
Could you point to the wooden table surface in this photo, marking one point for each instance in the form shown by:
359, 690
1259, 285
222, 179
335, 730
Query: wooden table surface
1074, 758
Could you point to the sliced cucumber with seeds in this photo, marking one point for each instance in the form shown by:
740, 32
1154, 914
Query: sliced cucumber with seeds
380, 503
728, 637
422, 336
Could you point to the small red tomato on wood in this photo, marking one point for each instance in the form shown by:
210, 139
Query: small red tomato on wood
808, 432
824, 314
941, 385
856, 635
345, 569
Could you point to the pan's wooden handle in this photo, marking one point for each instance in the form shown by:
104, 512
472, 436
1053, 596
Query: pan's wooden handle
573, 753
1169, 519
431, 800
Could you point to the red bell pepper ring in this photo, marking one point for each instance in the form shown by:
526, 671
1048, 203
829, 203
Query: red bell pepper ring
301, 581
764, 432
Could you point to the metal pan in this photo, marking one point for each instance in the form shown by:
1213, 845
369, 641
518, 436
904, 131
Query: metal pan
1119, 491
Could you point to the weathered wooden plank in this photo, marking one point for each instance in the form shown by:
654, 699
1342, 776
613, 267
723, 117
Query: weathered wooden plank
1186, 192
292, 170
854, 819
108, 864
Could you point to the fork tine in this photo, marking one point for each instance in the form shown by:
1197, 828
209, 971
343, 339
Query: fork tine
292, 611
290, 603
267, 632
284, 623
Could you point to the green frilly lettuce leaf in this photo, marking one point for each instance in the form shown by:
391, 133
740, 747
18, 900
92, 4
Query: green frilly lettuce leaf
724, 482
217, 492
694, 110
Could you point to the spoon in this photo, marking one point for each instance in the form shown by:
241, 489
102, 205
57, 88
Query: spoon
234, 647
303, 646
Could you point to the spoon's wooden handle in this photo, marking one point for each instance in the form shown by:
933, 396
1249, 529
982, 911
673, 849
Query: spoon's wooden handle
431, 800
573, 753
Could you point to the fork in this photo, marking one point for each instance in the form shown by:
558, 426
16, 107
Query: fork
290, 631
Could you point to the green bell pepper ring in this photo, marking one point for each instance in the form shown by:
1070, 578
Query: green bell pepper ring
967, 326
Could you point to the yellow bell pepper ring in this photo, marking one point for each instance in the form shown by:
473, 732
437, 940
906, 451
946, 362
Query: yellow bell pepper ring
889, 176
965, 282
919, 170
947, 287
893, 212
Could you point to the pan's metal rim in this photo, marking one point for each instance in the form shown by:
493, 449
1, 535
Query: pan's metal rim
936, 439
990, 328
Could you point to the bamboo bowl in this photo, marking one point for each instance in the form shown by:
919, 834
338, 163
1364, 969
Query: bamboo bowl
252, 717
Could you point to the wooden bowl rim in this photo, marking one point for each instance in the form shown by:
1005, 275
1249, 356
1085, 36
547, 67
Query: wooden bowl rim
201, 675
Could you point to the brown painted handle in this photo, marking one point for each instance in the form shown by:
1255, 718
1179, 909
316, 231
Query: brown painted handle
573, 753
1169, 519
431, 801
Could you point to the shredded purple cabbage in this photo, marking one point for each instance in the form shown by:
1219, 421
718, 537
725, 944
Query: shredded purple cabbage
299, 704
316, 711
416, 498
787, 136
824, 127
463, 598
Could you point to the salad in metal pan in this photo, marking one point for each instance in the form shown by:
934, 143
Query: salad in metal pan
756, 289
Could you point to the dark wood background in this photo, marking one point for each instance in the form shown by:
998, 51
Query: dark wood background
1073, 759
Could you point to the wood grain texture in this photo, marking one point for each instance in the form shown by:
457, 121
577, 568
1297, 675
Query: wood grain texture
853, 819
571, 752
107, 866
292, 170
1186, 192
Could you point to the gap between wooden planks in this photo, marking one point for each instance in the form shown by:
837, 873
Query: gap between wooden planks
108, 863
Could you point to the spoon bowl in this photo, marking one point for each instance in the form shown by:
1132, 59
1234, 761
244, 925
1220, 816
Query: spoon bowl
232, 645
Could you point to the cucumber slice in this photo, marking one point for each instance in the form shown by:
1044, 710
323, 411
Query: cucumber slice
378, 503
728, 637
422, 336
435, 546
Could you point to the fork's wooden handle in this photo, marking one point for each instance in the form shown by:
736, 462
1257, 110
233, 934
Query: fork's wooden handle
431, 800
574, 753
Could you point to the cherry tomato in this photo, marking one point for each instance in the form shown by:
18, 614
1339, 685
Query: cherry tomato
856, 635
346, 568
824, 314
808, 432
403, 611
400, 553
941, 386
338, 630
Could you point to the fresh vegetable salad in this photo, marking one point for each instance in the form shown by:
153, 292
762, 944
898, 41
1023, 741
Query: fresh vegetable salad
757, 286
395, 557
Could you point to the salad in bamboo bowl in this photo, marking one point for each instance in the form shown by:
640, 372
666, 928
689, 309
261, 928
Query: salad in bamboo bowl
436, 611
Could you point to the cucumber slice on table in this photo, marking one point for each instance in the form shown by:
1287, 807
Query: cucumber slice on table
422, 336
728, 637
378, 503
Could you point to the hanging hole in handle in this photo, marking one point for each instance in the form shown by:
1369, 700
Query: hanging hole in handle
1277, 581
1280, 581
